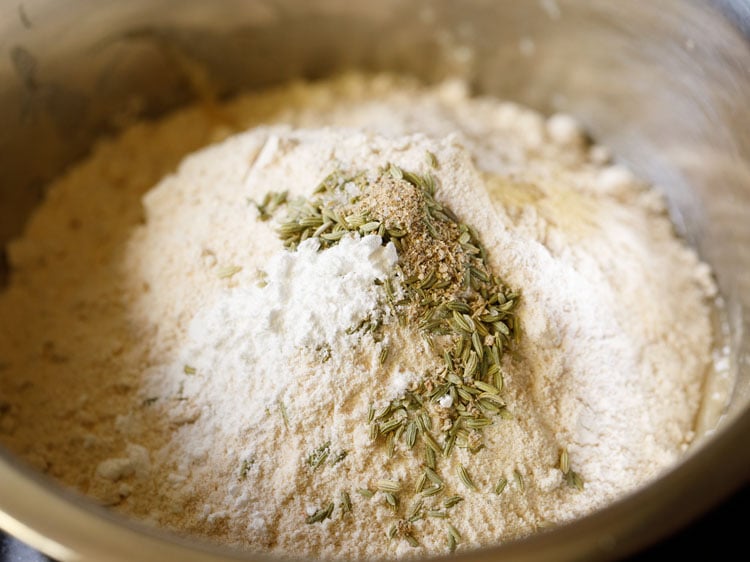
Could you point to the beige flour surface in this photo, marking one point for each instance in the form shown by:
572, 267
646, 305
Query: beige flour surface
116, 289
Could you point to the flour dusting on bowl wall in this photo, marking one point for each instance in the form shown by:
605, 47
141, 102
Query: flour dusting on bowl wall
367, 312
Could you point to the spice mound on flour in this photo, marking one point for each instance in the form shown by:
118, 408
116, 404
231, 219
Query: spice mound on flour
463, 312
356, 319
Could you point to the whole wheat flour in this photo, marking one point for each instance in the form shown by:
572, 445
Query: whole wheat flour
379, 320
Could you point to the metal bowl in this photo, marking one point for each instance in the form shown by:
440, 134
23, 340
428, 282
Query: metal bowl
665, 84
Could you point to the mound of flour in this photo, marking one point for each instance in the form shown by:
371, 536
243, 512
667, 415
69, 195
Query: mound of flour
174, 361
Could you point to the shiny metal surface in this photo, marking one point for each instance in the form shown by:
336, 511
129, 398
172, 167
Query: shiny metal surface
665, 84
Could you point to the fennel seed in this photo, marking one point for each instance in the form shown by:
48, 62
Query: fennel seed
564, 461
500, 486
388, 486
319, 455
228, 271
452, 501
346, 502
320, 515
465, 478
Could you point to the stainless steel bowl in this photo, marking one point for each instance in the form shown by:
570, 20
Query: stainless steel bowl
666, 85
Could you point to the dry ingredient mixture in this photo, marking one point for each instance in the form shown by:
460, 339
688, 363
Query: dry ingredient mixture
384, 320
